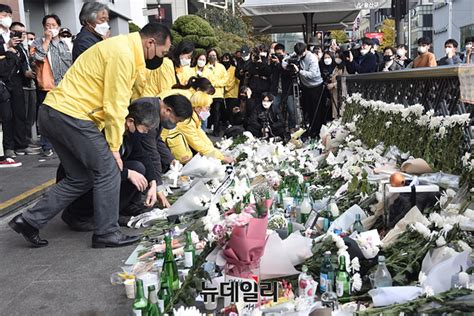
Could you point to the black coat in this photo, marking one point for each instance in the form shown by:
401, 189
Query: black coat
84, 40
363, 64
261, 117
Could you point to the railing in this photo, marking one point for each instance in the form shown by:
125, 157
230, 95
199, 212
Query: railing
435, 88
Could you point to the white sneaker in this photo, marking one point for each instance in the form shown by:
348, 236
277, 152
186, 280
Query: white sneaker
9, 163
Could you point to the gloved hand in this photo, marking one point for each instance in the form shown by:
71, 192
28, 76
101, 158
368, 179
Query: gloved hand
148, 218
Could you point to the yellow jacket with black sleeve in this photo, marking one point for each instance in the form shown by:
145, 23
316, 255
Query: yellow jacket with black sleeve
151, 83
192, 137
232, 87
98, 86
217, 75
177, 144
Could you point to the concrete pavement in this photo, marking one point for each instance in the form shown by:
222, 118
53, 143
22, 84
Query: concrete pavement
67, 277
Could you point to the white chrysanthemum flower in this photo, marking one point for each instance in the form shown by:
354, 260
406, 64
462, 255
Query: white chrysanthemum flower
469, 213
355, 265
334, 209
463, 278
356, 282
422, 229
464, 246
428, 290
387, 124
436, 219
440, 241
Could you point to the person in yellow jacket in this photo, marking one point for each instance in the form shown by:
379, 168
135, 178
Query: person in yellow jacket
200, 69
218, 77
188, 136
181, 57
151, 83
231, 90
94, 95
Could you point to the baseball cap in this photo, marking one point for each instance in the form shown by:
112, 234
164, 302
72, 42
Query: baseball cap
65, 30
245, 50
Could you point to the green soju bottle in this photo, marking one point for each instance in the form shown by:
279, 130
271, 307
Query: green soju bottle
189, 251
164, 295
152, 306
342, 279
140, 303
326, 276
170, 266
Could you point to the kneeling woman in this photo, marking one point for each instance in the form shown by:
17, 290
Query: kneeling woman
189, 138
264, 120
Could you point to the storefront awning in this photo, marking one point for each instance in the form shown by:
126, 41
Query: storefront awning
286, 16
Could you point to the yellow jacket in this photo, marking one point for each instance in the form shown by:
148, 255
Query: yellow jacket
206, 73
187, 135
184, 73
150, 83
98, 86
232, 87
217, 75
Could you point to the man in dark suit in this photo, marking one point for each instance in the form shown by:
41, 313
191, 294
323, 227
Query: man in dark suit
366, 62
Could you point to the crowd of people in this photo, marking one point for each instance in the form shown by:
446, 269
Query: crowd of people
119, 111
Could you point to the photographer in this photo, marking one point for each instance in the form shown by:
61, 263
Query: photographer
366, 62
258, 73
280, 82
307, 67
264, 121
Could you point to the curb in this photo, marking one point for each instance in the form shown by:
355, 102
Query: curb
11, 205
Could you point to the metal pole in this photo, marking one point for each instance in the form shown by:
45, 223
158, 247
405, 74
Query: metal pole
233, 7
398, 18
450, 18
409, 33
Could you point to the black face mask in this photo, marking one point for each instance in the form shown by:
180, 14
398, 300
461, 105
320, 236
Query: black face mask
167, 124
387, 58
154, 63
226, 64
243, 97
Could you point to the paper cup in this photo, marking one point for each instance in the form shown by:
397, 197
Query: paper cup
130, 288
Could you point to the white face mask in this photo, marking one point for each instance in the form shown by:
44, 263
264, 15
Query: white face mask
364, 51
201, 63
448, 50
30, 42
6, 22
54, 32
204, 115
422, 49
102, 28
185, 62
468, 46
338, 60
246, 58
327, 61
400, 52
267, 104
263, 54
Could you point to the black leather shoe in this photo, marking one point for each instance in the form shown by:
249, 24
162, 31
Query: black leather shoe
115, 239
30, 233
78, 224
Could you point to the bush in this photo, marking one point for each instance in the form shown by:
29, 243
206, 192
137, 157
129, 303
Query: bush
193, 25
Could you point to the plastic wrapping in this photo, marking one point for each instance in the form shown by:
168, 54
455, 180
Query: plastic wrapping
444, 180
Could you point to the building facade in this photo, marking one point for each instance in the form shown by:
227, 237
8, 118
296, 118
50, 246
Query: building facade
462, 26
31, 13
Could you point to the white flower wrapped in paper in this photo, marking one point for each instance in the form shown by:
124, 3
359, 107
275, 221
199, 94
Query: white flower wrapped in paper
355, 265
440, 241
422, 229
464, 246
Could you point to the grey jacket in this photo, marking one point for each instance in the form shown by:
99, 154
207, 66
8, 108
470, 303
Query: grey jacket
310, 75
59, 57
445, 61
